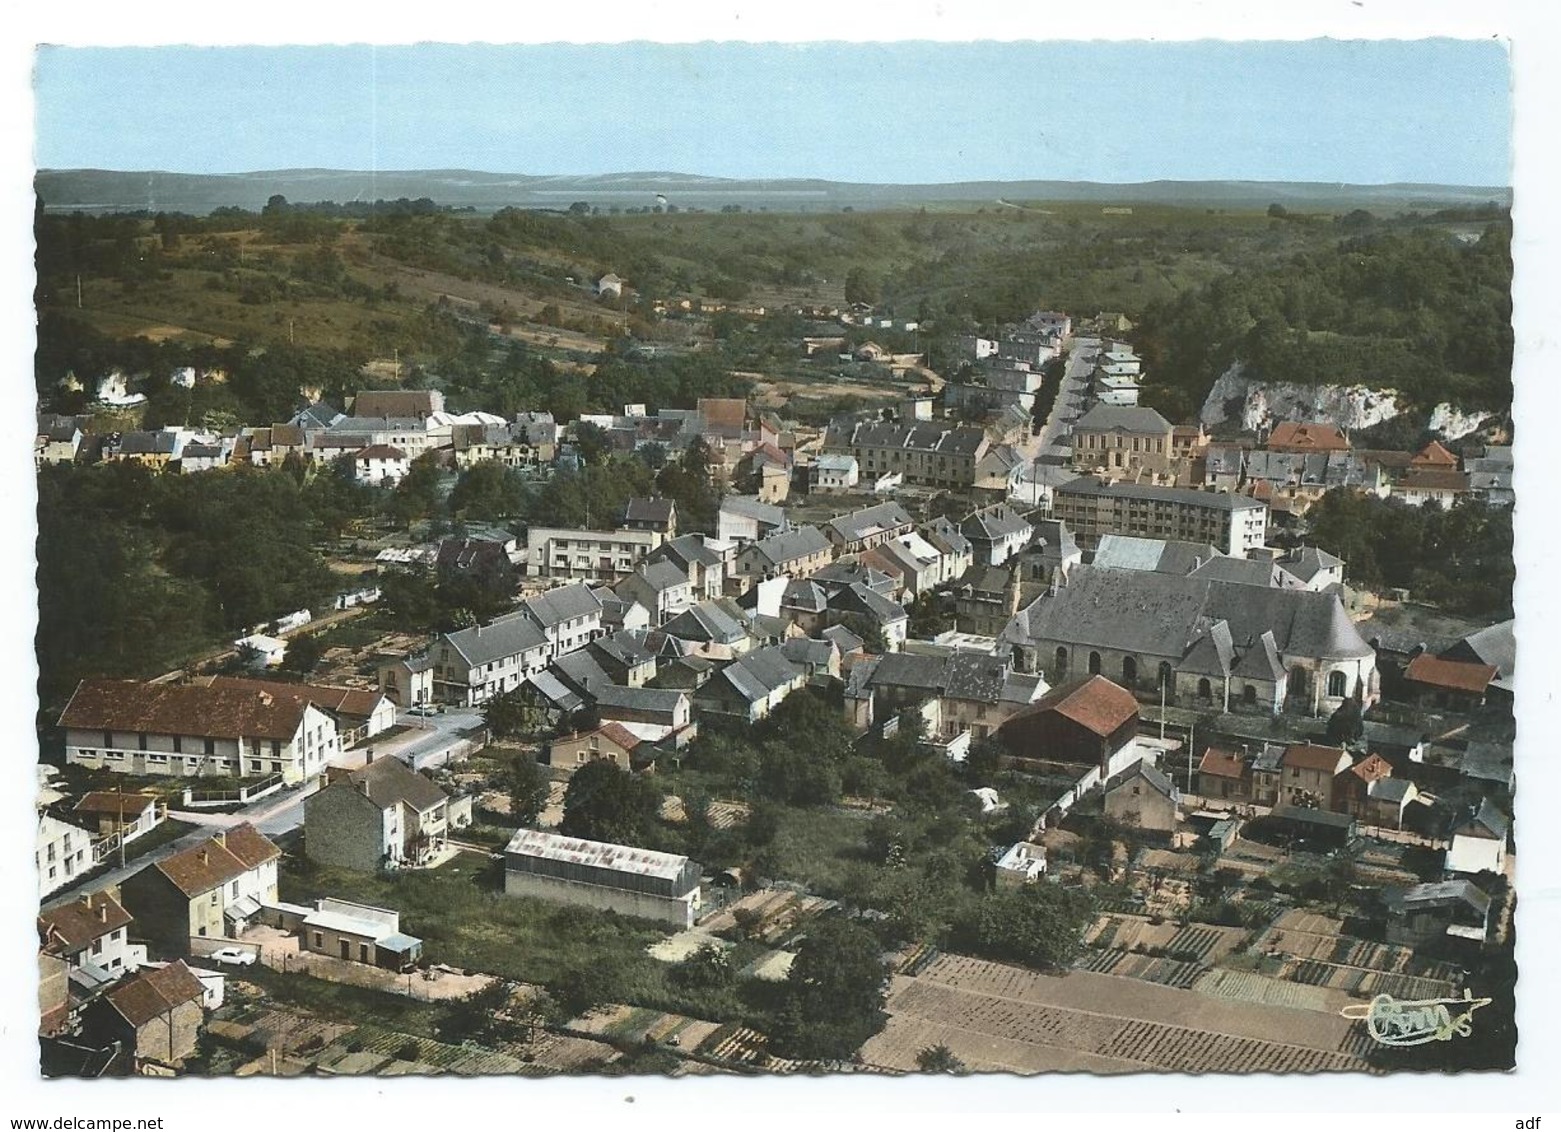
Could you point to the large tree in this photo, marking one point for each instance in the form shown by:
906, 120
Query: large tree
607, 803
528, 790
832, 1000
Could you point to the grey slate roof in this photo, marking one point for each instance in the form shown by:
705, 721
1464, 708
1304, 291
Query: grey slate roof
655, 509
565, 603
1438, 894
1390, 790
510, 635
1212, 654
789, 546
750, 507
906, 670
662, 576
1242, 571
1487, 817
1135, 419
637, 699
870, 521
556, 691
847, 572
707, 621
921, 436
625, 647
760, 673
1495, 646
581, 671
808, 651
858, 598
1168, 556
994, 523
685, 550
1149, 774
943, 534
845, 640
1306, 562
805, 596
1160, 615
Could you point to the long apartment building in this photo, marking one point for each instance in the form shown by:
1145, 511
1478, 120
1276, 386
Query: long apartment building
604, 556
923, 452
1092, 507
237, 728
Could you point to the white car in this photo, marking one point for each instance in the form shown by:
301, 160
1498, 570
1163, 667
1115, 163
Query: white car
233, 956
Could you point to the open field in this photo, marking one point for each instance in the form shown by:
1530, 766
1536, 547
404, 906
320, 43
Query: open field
994, 1016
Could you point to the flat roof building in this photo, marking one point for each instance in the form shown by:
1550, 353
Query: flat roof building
617, 878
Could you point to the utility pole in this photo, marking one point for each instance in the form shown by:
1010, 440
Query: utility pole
78, 290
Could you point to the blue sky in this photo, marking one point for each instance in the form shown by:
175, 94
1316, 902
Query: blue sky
1318, 110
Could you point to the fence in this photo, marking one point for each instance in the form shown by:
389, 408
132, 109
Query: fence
207, 799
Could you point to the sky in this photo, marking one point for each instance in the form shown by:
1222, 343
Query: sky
1360, 111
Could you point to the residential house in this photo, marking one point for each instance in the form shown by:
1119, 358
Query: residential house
647, 712
1387, 801
631, 881
116, 813
597, 555
1086, 721
919, 564
1093, 507
149, 449
986, 599
198, 456
996, 534
714, 628
654, 514
963, 691
479, 562
1224, 467
63, 853
797, 553
705, 561
1479, 841
766, 472
570, 616
955, 548
744, 519
213, 889
91, 935
381, 465
1422, 485
1224, 776
379, 816
58, 440
1143, 798
1352, 787
1199, 640
610, 286
408, 680
1443, 911
158, 1013
611, 741
661, 587
868, 527
1022, 863
1490, 476
624, 658
619, 614
818, 657
752, 686
215, 726
472, 665
1307, 437
1309, 771
1121, 439
417, 404
833, 472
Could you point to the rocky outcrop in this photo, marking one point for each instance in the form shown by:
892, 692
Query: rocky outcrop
1261, 404
1452, 422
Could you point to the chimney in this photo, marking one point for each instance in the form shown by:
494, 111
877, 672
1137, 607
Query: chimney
221, 838
103, 913
205, 856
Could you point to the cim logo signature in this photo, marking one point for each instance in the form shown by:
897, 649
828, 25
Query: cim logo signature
1394, 1023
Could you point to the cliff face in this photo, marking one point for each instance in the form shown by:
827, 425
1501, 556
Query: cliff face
1453, 422
1261, 404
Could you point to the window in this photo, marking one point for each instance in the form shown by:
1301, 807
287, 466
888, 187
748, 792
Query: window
1336, 683
254, 766
215, 895
363, 953
319, 939
276, 747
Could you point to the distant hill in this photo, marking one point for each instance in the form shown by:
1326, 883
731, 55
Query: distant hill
106, 190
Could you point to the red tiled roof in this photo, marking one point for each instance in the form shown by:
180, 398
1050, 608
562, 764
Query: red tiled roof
1434, 455
1309, 756
381, 452
1371, 768
1222, 764
619, 734
70, 927
227, 855
359, 702
1427, 478
114, 804
724, 415
1307, 437
1095, 704
154, 992
1457, 675
219, 709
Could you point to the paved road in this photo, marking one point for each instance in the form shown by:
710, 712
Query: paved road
427, 744
1051, 444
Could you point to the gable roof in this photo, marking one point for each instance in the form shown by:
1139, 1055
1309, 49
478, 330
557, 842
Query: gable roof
994, 523
222, 708
510, 635
1434, 454
563, 603
1220, 763
661, 576
751, 507
397, 402
1456, 675
68, 928
788, 546
760, 673
1438, 894
1148, 773
708, 621
114, 803
389, 782
868, 521
1487, 818
1096, 487
217, 860
1093, 702
1493, 645
1313, 436
1311, 756
655, 509
153, 992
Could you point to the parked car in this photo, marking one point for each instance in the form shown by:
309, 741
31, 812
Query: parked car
423, 709
233, 956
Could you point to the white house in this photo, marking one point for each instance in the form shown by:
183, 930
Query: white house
63, 853
833, 472
381, 464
